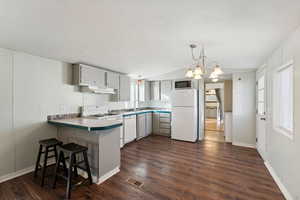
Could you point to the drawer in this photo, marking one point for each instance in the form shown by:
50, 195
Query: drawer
165, 120
165, 130
165, 115
165, 125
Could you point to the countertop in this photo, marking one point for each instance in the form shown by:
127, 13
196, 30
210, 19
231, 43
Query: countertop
89, 124
126, 113
94, 124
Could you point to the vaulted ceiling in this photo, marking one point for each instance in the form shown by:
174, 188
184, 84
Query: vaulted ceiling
147, 37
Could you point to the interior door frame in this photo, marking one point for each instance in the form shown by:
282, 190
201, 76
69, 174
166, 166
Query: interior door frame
262, 72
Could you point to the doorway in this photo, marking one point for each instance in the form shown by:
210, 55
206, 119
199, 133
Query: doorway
214, 112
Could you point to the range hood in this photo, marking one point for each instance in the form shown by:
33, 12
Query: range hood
96, 90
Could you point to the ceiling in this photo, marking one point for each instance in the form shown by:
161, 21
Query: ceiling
147, 37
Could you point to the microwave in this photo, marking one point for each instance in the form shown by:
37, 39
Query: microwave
183, 84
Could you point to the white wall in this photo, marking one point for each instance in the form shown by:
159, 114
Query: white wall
244, 107
7, 147
32, 88
282, 152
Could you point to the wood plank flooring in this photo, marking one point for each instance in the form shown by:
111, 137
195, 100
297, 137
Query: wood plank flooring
168, 170
214, 131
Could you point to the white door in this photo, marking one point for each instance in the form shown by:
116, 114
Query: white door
183, 98
261, 113
184, 124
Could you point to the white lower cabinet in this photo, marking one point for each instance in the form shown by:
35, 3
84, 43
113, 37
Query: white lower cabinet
141, 125
129, 128
148, 123
155, 122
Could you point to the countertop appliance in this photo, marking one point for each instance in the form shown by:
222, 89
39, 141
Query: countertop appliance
183, 84
185, 115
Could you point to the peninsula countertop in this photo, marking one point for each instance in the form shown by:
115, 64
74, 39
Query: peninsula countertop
89, 124
142, 111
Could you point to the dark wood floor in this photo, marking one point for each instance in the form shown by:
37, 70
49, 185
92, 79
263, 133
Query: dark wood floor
169, 170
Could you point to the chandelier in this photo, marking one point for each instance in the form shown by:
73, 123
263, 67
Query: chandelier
200, 68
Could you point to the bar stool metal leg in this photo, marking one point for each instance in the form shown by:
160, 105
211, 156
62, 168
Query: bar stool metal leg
63, 160
44, 167
55, 154
57, 169
75, 167
38, 161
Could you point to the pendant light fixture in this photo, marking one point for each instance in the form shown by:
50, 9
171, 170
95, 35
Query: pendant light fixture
200, 68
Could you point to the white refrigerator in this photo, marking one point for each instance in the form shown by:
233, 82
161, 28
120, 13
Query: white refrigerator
185, 115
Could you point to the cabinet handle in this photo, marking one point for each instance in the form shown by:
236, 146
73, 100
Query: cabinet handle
263, 118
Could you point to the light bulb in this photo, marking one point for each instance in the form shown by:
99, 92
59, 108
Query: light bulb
197, 76
213, 75
198, 70
218, 70
189, 73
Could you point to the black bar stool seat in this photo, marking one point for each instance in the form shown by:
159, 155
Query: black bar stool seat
70, 151
46, 146
50, 142
73, 148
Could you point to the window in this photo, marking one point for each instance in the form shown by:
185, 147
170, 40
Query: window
283, 99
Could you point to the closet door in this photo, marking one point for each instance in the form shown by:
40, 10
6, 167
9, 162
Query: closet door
7, 147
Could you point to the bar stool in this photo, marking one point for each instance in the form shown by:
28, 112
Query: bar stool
49, 145
72, 150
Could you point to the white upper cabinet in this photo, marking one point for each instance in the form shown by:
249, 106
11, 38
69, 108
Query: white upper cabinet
165, 90
154, 90
113, 80
99, 78
147, 90
85, 75
124, 94
144, 90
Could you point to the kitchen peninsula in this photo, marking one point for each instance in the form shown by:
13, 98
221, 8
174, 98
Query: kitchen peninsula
101, 136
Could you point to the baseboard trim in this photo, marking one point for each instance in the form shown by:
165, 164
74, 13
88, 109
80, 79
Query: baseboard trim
108, 175
281, 186
240, 144
16, 174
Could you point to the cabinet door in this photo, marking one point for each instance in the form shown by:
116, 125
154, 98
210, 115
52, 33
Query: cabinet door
155, 122
129, 129
92, 76
166, 88
124, 88
155, 90
144, 90
149, 123
141, 126
85, 73
113, 80
147, 90
141, 90
99, 77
